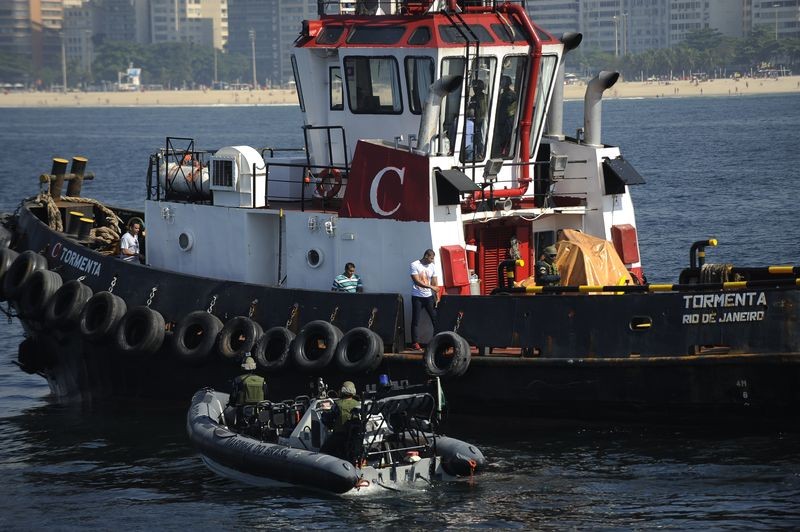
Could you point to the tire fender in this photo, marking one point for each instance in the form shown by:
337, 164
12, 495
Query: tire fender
101, 315
7, 257
447, 355
20, 271
314, 347
64, 308
273, 349
237, 337
359, 351
37, 293
195, 336
141, 331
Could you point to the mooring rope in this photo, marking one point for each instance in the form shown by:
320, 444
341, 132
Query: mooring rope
108, 233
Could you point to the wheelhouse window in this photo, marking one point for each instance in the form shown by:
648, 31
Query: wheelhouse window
420, 36
419, 77
297, 85
476, 123
448, 120
376, 34
547, 70
330, 34
462, 33
337, 89
373, 85
510, 32
512, 78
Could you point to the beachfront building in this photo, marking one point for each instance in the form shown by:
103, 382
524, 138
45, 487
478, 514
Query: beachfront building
78, 31
782, 17
267, 30
32, 29
626, 27
201, 22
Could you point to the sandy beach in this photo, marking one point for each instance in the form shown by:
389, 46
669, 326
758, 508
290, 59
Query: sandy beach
633, 89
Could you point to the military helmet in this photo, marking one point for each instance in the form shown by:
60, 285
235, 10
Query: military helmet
348, 388
550, 251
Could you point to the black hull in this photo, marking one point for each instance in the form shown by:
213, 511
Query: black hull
588, 357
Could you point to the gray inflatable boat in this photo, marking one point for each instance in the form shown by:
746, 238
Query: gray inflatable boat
391, 445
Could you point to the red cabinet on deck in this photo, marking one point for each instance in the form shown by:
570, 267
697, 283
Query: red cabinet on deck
454, 269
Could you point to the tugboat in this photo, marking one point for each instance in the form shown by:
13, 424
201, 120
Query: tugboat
390, 444
428, 125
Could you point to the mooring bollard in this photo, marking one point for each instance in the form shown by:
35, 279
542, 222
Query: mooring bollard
58, 171
76, 179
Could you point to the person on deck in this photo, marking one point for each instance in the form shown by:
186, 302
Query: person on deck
248, 388
424, 292
129, 243
546, 270
348, 281
347, 403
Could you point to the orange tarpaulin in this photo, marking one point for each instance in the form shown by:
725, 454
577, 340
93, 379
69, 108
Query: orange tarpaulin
587, 260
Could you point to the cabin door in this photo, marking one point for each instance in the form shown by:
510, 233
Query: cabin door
495, 245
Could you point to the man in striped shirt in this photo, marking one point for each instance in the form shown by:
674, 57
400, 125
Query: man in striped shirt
348, 281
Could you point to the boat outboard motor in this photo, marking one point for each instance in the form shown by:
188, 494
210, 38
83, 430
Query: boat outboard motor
555, 118
592, 105
430, 112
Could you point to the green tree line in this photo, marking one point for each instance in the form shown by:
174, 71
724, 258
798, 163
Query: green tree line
707, 51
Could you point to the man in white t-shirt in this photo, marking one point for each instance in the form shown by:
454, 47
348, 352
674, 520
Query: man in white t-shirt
424, 291
129, 243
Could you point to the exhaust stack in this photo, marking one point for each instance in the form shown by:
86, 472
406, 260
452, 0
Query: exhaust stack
592, 105
555, 117
430, 112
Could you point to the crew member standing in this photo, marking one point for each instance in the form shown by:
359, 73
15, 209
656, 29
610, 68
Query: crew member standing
129, 243
424, 291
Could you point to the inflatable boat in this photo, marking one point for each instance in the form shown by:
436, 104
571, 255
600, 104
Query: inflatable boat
391, 444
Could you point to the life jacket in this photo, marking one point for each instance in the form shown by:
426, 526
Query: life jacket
249, 389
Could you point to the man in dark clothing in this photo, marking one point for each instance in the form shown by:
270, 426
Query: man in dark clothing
546, 270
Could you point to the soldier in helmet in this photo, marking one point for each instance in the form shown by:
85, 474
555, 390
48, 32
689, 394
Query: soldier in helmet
546, 270
347, 403
248, 388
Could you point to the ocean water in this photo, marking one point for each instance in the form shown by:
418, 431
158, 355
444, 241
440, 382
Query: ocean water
715, 167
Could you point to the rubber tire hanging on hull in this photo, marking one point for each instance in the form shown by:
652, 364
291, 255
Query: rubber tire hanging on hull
37, 292
360, 350
141, 331
20, 271
306, 351
64, 308
195, 336
7, 258
273, 349
100, 316
447, 355
238, 336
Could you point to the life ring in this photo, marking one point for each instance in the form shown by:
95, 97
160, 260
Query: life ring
37, 292
64, 308
237, 337
20, 271
360, 350
447, 355
100, 315
314, 347
141, 331
7, 257
273, 348
329, 183
194, 337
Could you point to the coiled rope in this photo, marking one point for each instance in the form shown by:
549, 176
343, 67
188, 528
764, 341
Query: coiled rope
108, 233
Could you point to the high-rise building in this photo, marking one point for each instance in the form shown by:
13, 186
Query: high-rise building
32, 29
782, 17
78, 32
202, 22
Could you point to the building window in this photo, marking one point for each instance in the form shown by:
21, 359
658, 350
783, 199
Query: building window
373, 85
